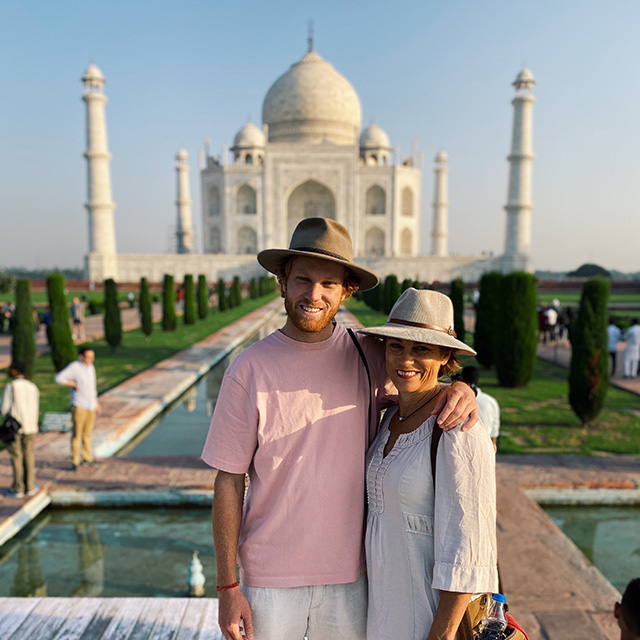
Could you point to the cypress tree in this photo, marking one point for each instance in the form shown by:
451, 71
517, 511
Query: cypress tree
112, 320
391, 292
416, 284
456, 293
487, 312
23, 341
236, 292
189, 315
168, 304
406, 284
63, 351
222, 295
203, 297
253, 289
146, 315
376, 297
517, 330
589, 371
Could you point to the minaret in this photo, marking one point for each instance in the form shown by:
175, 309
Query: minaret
102, 239
184, 229
518, 237
440, 233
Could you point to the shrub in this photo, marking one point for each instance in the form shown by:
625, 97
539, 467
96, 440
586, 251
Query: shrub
253, 289
189, 316
589, 371
63, 351
95, 307
517, 330
406, 284
222, 295
203, 297
146, 314
456, 293
23, 341
416, 284
168, 304
390, 293
487, 312
112, 320
235, 292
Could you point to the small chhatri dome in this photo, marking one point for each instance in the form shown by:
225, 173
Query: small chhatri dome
524, 77
248, 137
93, 73
312, 102
182, 155
442, 157
373, 137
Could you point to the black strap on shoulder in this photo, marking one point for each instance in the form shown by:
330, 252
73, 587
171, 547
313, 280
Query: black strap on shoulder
352, 335
435, 439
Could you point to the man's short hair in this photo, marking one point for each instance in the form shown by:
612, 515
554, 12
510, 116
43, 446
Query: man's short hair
630, 606
18, 366
351, 283
83, 350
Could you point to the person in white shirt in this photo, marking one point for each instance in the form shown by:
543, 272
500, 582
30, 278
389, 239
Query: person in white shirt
487, 405
80, 375
21, 398
632, 351
614, 334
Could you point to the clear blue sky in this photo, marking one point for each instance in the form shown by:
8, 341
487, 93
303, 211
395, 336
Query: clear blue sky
438, 72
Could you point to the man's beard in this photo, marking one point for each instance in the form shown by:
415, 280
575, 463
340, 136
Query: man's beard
304, 323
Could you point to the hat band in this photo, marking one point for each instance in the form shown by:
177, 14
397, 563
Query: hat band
322, 251
433, 327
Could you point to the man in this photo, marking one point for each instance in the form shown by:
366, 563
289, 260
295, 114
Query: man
80, 375
632, 350
614, 335
293, 413
487, 405
627, 612
21, 398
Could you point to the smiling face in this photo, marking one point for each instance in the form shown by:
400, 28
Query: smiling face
414, 366
312, 296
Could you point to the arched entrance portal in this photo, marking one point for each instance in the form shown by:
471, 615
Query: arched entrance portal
309, 200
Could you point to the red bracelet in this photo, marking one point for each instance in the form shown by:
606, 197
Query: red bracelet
229, 586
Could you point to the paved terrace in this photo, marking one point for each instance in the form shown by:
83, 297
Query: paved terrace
552, 590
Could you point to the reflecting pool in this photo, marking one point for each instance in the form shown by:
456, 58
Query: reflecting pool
108, 553
608, 536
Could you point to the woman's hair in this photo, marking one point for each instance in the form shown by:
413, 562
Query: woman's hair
451, 365
351, 284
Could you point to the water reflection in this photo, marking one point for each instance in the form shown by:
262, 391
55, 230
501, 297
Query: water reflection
108, 553
608, 536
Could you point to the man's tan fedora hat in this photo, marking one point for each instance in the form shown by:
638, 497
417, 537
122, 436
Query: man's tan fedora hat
320, 238
422, 316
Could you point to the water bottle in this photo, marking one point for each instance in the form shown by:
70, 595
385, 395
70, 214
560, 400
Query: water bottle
495, 621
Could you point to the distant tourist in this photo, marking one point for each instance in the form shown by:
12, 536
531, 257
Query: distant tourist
627, 612
487, 405
21, 398
632, 350
77, 316
80, 375
614, 335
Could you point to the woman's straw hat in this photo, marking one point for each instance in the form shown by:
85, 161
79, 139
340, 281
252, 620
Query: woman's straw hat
320, 238
422, 316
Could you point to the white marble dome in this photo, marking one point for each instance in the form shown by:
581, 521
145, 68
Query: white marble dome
93, 73
314, 103
248, 137
442, 157
373, 137
524, 77
182, 155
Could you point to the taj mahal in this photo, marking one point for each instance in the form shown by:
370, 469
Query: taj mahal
310, 158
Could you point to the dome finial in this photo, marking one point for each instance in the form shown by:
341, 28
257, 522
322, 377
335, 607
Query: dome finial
310, 35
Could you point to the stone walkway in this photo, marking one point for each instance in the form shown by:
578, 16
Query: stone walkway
552, 590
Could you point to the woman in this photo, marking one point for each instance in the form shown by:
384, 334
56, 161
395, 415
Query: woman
428, 551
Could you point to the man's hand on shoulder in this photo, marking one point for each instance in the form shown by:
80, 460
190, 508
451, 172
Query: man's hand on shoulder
233, 607
456, 404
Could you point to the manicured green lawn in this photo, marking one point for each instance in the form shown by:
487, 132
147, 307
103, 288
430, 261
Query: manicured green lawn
538, 419
136, 353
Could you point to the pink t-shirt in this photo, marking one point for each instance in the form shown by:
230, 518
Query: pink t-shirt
293, 416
